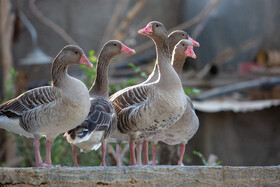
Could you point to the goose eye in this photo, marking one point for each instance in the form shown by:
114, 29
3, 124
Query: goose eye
157, 25
115, 44
76, 52
183, 35
183, 44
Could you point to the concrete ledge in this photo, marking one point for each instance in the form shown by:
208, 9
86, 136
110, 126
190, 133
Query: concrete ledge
142, 176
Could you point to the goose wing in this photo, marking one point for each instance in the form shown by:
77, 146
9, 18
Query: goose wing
30, 106
128, 104
128, 97
29, 101
102, 117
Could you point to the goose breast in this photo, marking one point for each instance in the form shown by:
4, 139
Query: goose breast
183, 130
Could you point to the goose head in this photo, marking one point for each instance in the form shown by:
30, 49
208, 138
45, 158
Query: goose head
114, 47
177, 35
184, 49
174, 37
154, 30
72, 54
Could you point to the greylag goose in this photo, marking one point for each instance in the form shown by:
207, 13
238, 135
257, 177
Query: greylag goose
102, 119
50, 110
173, 39
154, 106
185, 128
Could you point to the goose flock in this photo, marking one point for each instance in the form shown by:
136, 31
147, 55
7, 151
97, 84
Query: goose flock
152, 111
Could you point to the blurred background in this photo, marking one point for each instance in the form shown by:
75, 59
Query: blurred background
234, 82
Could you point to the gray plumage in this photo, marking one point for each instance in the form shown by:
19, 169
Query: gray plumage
102, 119
98, 126
185, 128
173, 38
138, 107
42, 111
50, 110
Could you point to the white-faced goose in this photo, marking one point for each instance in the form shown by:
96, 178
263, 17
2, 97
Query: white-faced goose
50, 110
102, 119
185, 128
155, 106
173, 39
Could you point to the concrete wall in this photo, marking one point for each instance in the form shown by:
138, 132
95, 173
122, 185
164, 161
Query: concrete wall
238, 139
141, 176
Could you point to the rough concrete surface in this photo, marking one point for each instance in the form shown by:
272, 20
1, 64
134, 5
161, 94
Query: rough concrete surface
141, 176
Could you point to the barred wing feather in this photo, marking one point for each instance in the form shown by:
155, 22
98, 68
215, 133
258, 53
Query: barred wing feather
129, 97
128, 102
27, 106
101, 117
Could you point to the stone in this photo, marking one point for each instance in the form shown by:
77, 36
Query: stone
141, 176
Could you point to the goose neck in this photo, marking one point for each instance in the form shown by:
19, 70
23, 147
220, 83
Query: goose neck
162, 52
168, 78
177, 64
59, 72
101, 83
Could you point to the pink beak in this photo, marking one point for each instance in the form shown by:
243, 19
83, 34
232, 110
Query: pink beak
195, 43
127, 50
190, 53
148, 30
84, 61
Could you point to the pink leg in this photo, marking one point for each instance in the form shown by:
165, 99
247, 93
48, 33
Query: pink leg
48, 160
103, 148
145, 153
182, 152
74, 151
154, 150
139, 150
132, 161
119, 151
38, 159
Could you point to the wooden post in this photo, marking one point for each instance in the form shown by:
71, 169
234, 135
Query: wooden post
6, 62
6, 32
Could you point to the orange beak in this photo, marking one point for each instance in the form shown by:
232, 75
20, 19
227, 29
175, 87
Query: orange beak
148, 30
195, 43
84, 61
190, 53
127, 50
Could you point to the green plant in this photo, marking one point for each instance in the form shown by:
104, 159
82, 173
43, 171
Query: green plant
187, 158
9, 93
194, 91
129, 82
205, 163
137, 69
61, 153
9, 85
90, 73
